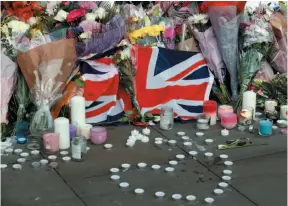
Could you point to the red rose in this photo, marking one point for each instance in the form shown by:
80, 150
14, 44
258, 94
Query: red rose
66, 3
75, 14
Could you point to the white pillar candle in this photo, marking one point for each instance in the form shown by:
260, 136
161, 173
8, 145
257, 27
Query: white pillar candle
270, 105
284, 112
84, 130
249, 100
61, 126
77, 104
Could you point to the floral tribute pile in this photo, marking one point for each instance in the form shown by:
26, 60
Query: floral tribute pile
46, 45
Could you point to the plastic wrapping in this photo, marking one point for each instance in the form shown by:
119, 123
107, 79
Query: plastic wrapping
225, 23
265, 73
112, 34
8, 80
133, 16
46, 69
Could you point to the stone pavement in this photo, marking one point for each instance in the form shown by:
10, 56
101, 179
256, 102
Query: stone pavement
259, 173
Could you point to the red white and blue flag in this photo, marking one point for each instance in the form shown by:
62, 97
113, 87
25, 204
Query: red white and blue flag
172, 78
164, 77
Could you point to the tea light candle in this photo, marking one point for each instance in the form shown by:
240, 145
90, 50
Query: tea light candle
84, 130
51, 142
61, 126
224, 109
159, 194
155, 167
176, 196
224, 132
72, 131
249, 100
284, 112
98, 135
229, 120
210, 109
139, 191
77, 104
265, 127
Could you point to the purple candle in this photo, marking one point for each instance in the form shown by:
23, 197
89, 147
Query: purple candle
98, 135
72, 131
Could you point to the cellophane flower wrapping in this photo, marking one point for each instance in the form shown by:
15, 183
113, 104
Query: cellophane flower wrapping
256, 41
22, 95
8, 82
112, 33
225, 23
46, 69
265, 72
278, 56
133, 16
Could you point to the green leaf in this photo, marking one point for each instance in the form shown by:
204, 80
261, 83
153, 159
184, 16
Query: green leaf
143, 120
148, 115
156, 11
124, 119
79, 83
128, 113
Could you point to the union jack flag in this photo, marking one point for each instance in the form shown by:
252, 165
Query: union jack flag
164, 77
172, 78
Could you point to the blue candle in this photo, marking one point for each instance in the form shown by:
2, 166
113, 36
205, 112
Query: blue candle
265, 127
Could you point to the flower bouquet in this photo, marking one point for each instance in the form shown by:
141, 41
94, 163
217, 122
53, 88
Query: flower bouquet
133, 15
201, 28
225, 22
256, 41
150, 35
46, 69
278, 56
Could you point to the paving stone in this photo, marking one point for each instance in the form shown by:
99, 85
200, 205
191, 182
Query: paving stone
35, 187
189, 178
262, 179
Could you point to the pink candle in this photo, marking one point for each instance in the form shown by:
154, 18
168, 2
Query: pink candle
51, 142
224, 109
98, 135
229, 120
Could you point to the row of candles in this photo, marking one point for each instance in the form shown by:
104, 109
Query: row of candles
78, 131
244, 116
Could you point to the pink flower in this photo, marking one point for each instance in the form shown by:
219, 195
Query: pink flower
66, 3
169, 33
88, 5
260, 92
75, 14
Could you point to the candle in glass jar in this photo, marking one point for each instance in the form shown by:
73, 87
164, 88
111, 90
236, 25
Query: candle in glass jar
85, 130
265, 127
210, 109
72, 131
249, 100
51, 142
224, 109
229, 120
203, 121
98, 135
61, 126
245, 116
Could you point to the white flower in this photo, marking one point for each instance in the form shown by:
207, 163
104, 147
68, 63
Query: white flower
125, 54
32, 21
61, 15
51, 7
5, 30
100, 13
18, 26
90, 16
85, 35
250, 9
198, 19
